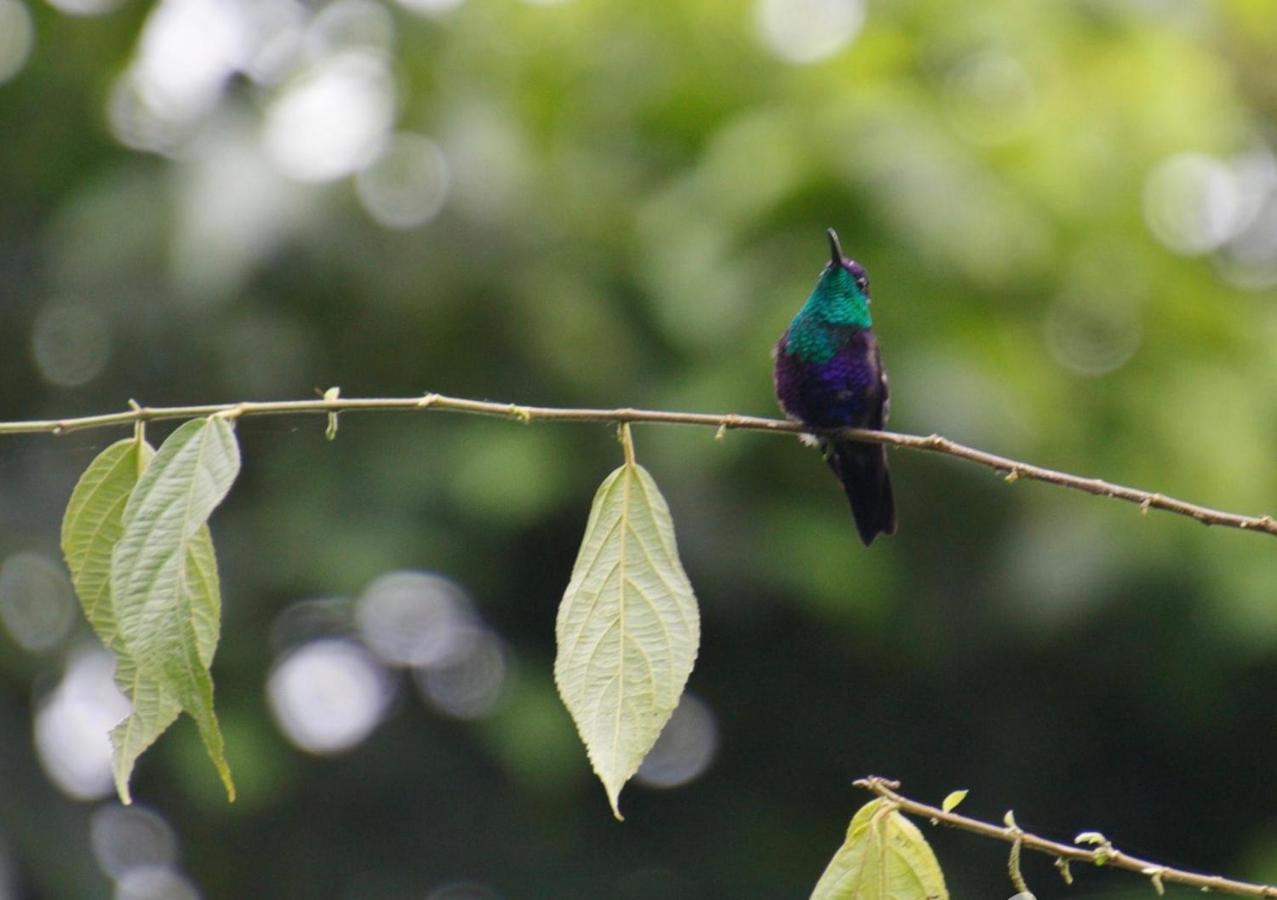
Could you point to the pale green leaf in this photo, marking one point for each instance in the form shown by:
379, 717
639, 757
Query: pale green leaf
152, 709
628, 628
952, 800
154, 705
885, 857
92, 525
163, 583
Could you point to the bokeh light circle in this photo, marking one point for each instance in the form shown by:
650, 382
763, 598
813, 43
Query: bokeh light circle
1192, 203
334, 119
71, 343
84, 7
471, 686
406, 186
806, 31
685, 748
128, 837
411, 618
430, 7
17, 36
328, 695
351, 25
1089, 337
73, 723
37, 602
155, 883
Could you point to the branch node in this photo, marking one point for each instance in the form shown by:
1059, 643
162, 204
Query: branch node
721, 432
1103, 851
427, 400
1012, 476
1013, 861
331, 395
522, 413
1147, 502
1063, 865
1154, 874
134, 405
934, 442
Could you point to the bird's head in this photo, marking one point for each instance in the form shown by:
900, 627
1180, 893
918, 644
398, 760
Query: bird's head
838, 261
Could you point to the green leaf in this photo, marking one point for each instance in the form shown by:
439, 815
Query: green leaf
154, 705
885, 857
628, 628
952, 800
163, 583
92, 525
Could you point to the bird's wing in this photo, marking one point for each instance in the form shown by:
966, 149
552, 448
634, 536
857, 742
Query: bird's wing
884, 409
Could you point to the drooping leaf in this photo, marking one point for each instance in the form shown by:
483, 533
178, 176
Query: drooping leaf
166, 603
885, 857
92, 525
154, 706
152, 709
628, 628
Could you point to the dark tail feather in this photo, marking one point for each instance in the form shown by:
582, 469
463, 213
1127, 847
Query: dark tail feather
862, 469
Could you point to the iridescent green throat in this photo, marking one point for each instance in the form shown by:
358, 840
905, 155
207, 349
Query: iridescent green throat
836, 301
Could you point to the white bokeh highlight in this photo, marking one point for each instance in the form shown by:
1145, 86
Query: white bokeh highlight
73, 723
807, 31
410, 618
84, 7
327, 696
1192, 203
334, 119
17, 37
430, 7
155, 883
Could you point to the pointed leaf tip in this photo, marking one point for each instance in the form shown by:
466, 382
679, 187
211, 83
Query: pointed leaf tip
628, 628
953, 799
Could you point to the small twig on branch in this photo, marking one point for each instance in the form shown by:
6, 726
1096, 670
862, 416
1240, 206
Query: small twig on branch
1103, 855
330, 404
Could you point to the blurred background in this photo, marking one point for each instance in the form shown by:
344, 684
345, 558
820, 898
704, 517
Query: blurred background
1069, 213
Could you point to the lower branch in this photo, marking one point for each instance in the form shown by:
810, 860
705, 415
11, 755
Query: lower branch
1103, 854
331, 404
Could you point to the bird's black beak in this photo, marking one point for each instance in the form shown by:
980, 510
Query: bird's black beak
835, 248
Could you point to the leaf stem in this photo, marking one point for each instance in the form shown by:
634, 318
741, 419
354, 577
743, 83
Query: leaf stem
627, 442
933, 443
1107, 855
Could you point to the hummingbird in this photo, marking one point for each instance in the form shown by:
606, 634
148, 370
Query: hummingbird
829, 375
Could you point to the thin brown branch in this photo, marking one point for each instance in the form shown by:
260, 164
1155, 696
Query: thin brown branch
1101, 853
1012, 469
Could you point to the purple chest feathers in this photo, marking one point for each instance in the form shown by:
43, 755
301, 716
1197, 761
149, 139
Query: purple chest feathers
845, 390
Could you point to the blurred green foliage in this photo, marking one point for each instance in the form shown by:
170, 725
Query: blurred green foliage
1069, 215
